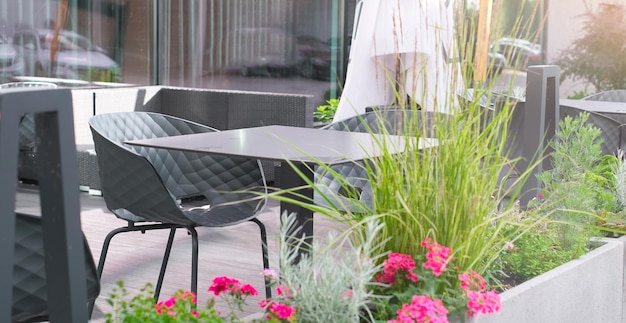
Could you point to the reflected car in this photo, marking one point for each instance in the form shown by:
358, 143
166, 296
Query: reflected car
520, 53
77, 57
10, 64
314, 58
264, 51
497, 62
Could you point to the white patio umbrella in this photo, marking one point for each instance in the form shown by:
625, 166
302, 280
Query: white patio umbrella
401, 47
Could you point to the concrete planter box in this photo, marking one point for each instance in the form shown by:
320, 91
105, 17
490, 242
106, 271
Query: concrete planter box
588, 289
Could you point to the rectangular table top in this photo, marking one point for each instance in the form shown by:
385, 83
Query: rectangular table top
281, 143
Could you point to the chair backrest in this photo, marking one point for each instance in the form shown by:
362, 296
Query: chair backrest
27, 132
393, 121
30, 295
610, 129
610, 96
147, 181
390, 121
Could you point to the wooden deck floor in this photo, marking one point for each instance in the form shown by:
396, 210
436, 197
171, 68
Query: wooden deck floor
135, 258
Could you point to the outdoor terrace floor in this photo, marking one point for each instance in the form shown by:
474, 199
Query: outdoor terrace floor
135, 258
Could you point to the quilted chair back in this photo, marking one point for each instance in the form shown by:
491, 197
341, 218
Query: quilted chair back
27, 168
610, 96
128, 172
30, 295
355, 192
391, 121
610, 129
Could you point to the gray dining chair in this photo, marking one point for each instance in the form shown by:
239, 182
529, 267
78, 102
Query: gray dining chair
609, 96
154, 189
30, 293
26, 165
346, 187
610, 129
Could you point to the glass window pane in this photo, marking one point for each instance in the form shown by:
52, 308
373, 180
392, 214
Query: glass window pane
283, 46
78, 40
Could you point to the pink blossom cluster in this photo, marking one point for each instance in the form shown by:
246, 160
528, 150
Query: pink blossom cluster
232, 286
397, 263
422, 309
472, 281
483, 302
279, 310
437, 256
167, 306
479, 300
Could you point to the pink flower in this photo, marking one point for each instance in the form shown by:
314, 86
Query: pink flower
509, 245
395, 264
347, 294
170, 302
269, 273
283, 291
222, 284
165, 306
472, 281
483, 303
281, 310
422, 309
188, 294
247, 289
539, 196
265, 303
195, 313
437, 256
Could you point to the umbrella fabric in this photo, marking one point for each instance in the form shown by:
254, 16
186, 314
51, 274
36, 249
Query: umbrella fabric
401, 44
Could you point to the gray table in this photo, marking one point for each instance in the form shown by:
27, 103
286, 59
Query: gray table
303, 147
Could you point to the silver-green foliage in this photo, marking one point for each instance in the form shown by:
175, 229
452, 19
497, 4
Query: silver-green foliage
333, 282
619, 171
575, 181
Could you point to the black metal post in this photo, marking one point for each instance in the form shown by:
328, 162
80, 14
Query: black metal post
541, 121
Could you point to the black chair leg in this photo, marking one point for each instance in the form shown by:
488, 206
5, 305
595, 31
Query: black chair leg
266, 260
194, 259
103, 256
166, 258
130, 228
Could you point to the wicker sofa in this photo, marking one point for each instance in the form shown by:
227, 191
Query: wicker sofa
222, 109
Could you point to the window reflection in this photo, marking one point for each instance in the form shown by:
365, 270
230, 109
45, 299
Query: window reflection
289, 46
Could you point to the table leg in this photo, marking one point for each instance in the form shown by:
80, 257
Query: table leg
289, 178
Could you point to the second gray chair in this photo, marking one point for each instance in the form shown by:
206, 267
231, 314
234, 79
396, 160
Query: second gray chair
609, 96
30, 286
26, 165
346, 186
172, 189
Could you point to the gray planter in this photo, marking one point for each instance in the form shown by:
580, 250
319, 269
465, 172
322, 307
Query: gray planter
588, 289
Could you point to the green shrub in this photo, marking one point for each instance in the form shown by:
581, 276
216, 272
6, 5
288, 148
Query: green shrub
325, 113
560, 222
